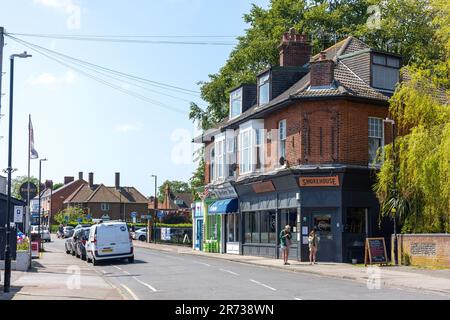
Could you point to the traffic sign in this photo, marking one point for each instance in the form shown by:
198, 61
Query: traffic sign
23, 190
160, 214
18, 214
133, 214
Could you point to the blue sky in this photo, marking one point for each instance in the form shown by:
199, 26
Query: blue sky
82, 125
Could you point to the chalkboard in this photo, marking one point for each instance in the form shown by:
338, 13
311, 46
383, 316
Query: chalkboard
375, 251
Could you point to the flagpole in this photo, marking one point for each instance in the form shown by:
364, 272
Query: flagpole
28, 189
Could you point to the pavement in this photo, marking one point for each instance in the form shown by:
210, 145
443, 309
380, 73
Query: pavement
407, 277
58, 276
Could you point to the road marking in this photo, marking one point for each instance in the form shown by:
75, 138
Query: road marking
117, 268
135, 297
229, 271
126, 272
145, 284
202, 263
104, 272
262, 284
297, 298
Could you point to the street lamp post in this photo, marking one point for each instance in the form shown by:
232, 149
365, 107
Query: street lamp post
39, 203
155, 207
7, 281
394, 188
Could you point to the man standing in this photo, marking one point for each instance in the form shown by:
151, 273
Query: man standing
285, 241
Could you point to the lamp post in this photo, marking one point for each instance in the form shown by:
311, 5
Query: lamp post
39, 203
7, 281
155, 207
394, 188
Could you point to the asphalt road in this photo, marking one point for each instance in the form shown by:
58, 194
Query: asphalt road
170, 276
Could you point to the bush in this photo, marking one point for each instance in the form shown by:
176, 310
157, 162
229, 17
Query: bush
23, 245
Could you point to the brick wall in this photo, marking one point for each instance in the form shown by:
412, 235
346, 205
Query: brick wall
116, 210
425, 249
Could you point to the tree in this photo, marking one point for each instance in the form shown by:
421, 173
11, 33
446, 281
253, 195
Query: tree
421, 109
57, 186
17, 182
175, 186
72, 214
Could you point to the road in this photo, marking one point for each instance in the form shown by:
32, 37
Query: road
170, 276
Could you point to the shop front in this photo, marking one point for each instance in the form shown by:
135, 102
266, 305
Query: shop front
197, 225
223, 215
338, 203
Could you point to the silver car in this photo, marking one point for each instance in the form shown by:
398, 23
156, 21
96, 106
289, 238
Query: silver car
68, 231
45, 234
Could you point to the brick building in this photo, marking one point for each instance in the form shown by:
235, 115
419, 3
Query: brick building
299, 147
103, 202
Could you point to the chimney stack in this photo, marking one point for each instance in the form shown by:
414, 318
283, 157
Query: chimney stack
91, 180
80, 175
295, 51
322, 71
68, 179
117, 180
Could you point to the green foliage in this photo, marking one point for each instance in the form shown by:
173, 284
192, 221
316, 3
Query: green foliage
73, 214
24, 245
175, 186
57, 185
421, 108
17, 182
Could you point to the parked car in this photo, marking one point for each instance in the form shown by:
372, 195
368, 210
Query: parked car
109, 240
141, 234
80, 243
68, 231
71, 242
45, 234
86, 225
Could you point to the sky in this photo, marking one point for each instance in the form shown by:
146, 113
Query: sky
83, 125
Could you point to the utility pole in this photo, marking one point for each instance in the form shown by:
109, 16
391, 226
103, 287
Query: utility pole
2, 43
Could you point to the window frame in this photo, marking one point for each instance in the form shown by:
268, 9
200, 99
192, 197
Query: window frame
241, 151
236, 95
212, 164
371, 161
282, 136
220, 155
264, 80
383, 65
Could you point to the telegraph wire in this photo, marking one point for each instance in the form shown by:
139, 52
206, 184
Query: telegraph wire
135, 78
109, 84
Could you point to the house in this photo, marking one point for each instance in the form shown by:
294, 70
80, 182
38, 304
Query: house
174, 204
103, 202
52, 201
299, 148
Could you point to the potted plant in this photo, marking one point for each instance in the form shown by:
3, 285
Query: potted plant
23, 258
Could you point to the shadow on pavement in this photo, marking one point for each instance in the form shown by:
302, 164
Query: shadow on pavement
9, 295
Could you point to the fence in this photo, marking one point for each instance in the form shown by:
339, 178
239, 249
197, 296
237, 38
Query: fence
180, 236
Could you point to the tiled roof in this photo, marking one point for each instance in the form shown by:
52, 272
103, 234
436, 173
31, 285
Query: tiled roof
104, 194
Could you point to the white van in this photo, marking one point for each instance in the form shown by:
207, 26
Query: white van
109, 240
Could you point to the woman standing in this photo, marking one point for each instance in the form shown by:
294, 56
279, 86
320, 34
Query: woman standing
285, 241
312, 242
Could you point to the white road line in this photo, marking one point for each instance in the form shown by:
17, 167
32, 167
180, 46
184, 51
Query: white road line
126, 272
135, 297
117, 268
104, 272
145, 284
202, 263
297, 298
229, 271
262, 284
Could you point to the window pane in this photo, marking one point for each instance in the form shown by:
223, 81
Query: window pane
355, 222
374, 144
375, 128
379, 59
247, 228
264, 93
272, 227
264, 226
256, 227
393, 62
384, 77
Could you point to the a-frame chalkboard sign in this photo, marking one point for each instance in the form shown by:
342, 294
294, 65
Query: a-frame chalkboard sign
375, 252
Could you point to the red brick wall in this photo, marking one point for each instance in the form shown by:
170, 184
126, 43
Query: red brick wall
208, 146
425, 249
117, 209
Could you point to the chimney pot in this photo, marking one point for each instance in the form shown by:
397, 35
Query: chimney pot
68, 179
117, 180
295, 51
322, 72
91, 179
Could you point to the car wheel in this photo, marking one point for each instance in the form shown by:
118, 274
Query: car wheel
94, 262
73, 253
131, 260
83, 257
142, 238
67, 251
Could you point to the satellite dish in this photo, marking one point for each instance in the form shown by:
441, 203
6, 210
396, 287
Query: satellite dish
234, 167
282, 161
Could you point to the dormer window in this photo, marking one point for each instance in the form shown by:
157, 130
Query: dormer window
235, 103
263, 89
385, 71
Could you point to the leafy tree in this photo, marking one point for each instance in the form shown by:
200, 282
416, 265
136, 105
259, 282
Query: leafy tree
73, 214
175, 186
420, 107
57, 185
17, 182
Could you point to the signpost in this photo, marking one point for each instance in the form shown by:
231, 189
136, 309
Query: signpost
375, 252
18, 214
23, 190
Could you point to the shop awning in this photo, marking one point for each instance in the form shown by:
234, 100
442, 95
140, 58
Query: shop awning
223, 206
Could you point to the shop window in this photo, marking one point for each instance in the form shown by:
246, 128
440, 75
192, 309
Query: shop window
233, 227
289, 217
356, 220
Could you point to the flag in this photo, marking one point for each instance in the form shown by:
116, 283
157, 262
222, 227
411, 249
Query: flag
33, 152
